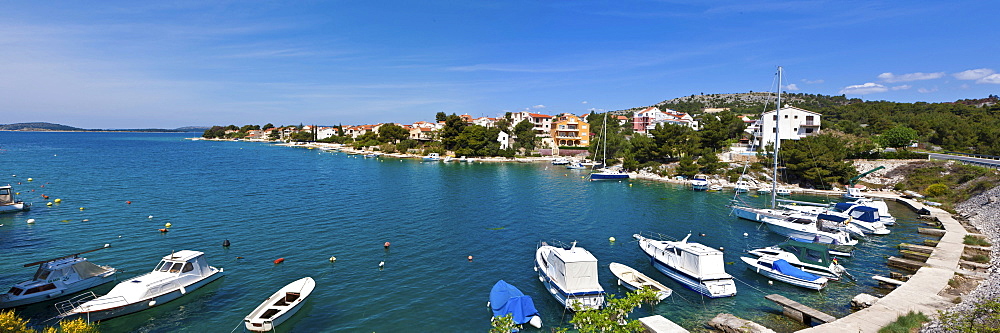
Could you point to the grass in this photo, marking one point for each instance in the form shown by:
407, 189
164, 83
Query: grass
911, 322
982, 259
973, 240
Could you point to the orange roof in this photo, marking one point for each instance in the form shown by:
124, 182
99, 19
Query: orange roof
538, 115
622, 118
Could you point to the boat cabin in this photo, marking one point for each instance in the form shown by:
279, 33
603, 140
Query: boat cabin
184, 262
6, 195
62, 271
574, 270
703, 262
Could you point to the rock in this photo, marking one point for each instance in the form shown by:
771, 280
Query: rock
863, 301
732, 324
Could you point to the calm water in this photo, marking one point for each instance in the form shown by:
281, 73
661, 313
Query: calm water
306, 205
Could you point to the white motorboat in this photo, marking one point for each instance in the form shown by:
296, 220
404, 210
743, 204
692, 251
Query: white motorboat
633, 279
177, 274
570, 275
809, 257
699, 183
854, 193
883, 209
56, 278
464, 159
576, 166
779, 269
715, 187
764, 190
432, 157
560, 161
808, 230
448, 159
783, 191
282, 305
866, 219
8, 203
742, 187
694, 265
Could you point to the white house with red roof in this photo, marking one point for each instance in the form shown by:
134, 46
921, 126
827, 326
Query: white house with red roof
795, 124
648, 118
542, 122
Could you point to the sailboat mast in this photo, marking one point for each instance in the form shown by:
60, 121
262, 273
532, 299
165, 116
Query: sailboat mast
777, 145
604, 136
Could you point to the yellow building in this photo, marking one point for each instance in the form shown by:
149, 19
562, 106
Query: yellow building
570, 130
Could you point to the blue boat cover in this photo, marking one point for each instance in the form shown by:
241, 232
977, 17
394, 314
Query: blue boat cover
505, 298
843, 206
785, 268
859, 212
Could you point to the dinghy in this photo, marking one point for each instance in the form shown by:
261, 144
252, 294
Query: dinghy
507, 299
282, 305
633, 279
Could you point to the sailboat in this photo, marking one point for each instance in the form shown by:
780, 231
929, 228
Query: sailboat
789, 223
607, 173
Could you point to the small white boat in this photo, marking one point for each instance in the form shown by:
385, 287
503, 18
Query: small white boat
8, 203
176, 275
432, 157
764, 190
783, 191
56, 278
715, 188
576, 166
808, 229
742, 187
282, 305
560, 161
779, 269
373, 155
694, 265
633, 279
854, 193
448, 159
883, 209
570, 275
699, 183
809, 257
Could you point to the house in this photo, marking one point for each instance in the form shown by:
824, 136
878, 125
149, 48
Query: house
648, 118
484, 121
505, 140
570, 130
542, 122
325, 132
795, 123
622, 120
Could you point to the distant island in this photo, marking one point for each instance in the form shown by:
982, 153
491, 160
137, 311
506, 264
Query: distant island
50, 127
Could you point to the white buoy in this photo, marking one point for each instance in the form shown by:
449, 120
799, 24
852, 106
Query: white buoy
107, 245
332, 259
381, 264
612, 238
769, 282
745, 234
151, 216
30, 221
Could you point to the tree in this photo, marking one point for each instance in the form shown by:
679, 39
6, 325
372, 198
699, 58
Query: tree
268, 126
818, 160
441, 116
302, 136
686, 167
613, 317
709, 163
524, 135
896, 137
392, 133
453, 126
11, 323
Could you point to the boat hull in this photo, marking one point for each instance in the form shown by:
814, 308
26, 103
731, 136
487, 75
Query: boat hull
814, 285
105, 314
257, 324
15, 207
608, 176
796, 233
728, 286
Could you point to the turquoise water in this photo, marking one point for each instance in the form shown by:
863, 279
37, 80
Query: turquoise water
306, 205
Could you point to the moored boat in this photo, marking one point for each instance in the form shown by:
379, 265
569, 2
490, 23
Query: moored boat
694, 265
56, 278
808, 229
432, 157
633, 279
809, 257
570, 275
507, 299
282, 305
8, 203
176, 275
781, 270
742, 187
560, 161
699, 183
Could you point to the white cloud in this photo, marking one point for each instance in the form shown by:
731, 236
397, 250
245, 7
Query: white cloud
902, 87
965, 86
813, 81
891, 78
539, 106
927, 91
792, 87
993, 78
861, 89
973, 74
584, 102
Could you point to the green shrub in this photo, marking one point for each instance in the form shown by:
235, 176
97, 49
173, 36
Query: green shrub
973, 240
980, 258
905, 324
937, 190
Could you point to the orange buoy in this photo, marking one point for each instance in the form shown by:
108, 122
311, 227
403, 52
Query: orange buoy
279, 260
163, 230
128, 202
387, 245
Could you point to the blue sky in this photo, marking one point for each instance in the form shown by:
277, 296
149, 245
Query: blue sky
137, 64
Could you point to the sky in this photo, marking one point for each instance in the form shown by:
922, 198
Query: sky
167, 64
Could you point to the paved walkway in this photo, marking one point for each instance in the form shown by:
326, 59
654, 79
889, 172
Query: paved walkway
920, 292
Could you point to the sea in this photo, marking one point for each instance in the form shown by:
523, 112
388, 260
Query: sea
308, 205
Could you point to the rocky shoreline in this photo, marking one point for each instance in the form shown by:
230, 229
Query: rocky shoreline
983, 212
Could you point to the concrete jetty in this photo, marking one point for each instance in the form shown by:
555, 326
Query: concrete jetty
920, 292
802, 313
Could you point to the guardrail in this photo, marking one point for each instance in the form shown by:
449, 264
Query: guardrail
988, 161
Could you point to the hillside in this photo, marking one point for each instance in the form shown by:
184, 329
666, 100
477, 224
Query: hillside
753, 102
40, 126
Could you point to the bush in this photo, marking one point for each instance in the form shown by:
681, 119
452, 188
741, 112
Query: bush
11, 323
937, 190
973, 240
983, 317
905, 324
980, 258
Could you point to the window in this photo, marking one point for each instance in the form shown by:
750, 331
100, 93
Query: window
176, 267
160, 266
786, 116
40, 289
42, 274
809, 130
775, 117
15, 291
187, 268
796, 117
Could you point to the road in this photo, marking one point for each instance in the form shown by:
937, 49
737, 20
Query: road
986, 162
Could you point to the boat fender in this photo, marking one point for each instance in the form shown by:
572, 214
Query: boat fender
770, 283
163, 230
152, 303
225, 243
722, 248
535, 321
279, 260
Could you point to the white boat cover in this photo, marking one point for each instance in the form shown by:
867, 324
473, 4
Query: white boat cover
702, 260
574, 270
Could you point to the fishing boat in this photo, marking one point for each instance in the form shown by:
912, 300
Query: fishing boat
809, 257
607, 173
432, 157
8, 203
282, 305
177, 274
779, 269
699, 183
570, 275
56, 278
506, 299
633, 279
694, 265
